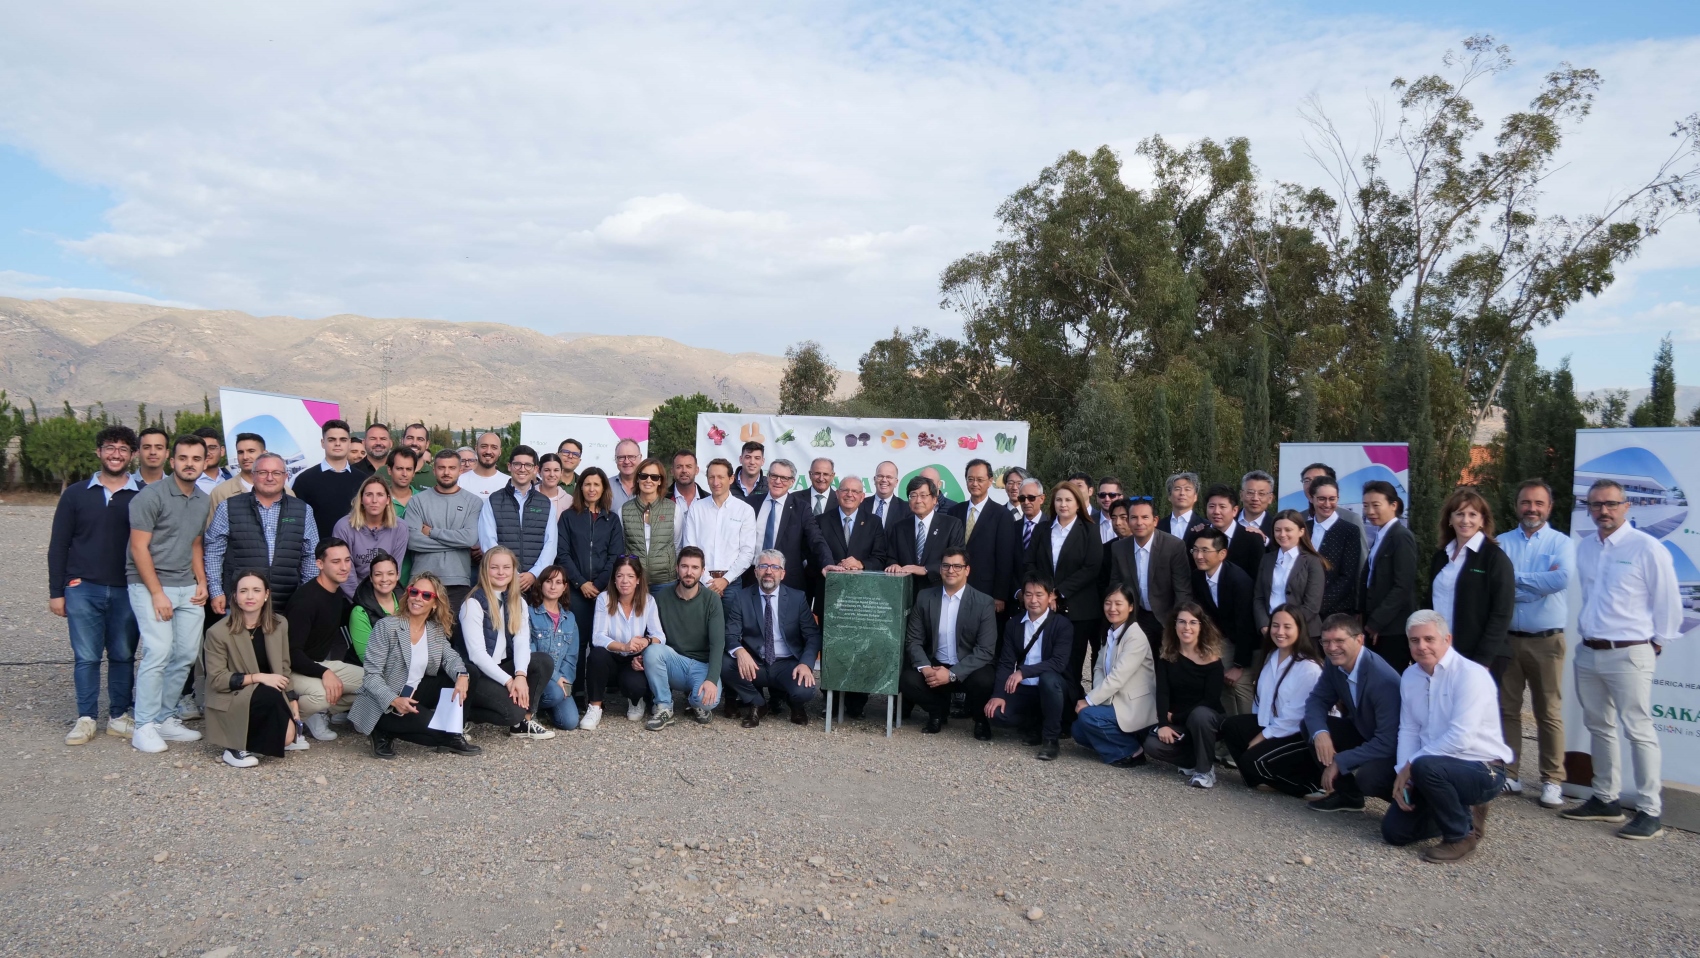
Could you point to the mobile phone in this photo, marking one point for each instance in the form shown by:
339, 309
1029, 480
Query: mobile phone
407, 691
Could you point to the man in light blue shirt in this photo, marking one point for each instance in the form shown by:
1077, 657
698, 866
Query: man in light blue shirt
1544, 559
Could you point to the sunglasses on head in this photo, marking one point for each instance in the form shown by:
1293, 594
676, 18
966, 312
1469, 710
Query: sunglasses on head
414, 592
1140, 499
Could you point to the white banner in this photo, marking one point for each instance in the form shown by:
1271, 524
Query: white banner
1655, 467
544, 432
1355, 463
289, 424
857, 446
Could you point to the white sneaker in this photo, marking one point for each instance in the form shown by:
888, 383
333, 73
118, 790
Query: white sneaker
123, 726
146, 738
299, 745
187, 710
532, 729
1512, 787
1206, 780
592, 718
319, 727
240, 759
1552, 795
634, 711
83, 732
1188, 772
173, 730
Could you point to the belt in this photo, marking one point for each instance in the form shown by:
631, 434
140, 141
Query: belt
1603, 644
1544, 633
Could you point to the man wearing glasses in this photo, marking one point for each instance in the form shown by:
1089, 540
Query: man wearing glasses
771, 637
86, 587
519, 517
627, 455
990, 537
783, 523
265, 530
571, 452
1109, 491
1631, 608
951, 638
918, 542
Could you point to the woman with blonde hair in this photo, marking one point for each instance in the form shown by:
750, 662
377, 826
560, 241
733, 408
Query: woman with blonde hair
1189, 695
495, 627
370, 528
250, 710
409, 662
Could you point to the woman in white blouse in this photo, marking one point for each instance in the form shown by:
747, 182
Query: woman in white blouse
1473, 582
1268, 744
626, 623
495, 627
1292, 574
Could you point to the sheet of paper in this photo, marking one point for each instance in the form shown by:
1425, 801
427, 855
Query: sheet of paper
449, 717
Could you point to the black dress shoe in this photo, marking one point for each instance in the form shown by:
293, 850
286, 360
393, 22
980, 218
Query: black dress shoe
1338, 801
1048, 751
458, 745
1031, 737
983, 729
752, 716
935, 725
383, 747
799, 716
1132, 761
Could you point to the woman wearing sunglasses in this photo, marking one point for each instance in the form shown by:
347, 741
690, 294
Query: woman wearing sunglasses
648, 519
409, 662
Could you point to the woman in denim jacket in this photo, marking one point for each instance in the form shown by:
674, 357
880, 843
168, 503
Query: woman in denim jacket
555, 631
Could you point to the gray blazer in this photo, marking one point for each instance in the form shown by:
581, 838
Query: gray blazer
1170, 573
976, 630
1304, 589
388, 653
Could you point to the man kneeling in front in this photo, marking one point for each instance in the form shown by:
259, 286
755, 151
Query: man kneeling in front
1451, 753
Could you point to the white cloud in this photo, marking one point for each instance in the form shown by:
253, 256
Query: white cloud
19, 285
767, 175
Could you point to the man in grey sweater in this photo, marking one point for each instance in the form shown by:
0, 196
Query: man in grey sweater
442, 529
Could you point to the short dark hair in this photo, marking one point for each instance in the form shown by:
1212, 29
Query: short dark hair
335, 424
1386, 489
921, 482
1327, 470
1145, 501
719, 462
326, 545
1321, 481
379, 425
1347, 622
570, 442
1530, 484
208, 432
546, 457
152, 431
1224, 491
1080, 477
110, 434
691, 552
188, 439
446, 453
415, 425
955, 551
405, 453
682, 452
1216, 537
1110, 481
1039, 579
753, 446
523, 450
978, 462
242, 437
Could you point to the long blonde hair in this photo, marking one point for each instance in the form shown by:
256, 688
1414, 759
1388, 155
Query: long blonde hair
515, 609
357, 514
440, 612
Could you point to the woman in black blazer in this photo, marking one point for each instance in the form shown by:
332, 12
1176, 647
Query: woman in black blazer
1473, 582
1071, 563
589, 540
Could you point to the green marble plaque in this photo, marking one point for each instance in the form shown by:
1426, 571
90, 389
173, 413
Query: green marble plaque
862, 632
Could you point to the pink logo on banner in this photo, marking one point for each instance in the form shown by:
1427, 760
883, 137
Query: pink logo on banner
637, 430
322, 412
1396, 458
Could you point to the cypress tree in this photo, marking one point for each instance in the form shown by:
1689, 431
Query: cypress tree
1426, 485
1659, 408
1201, 440
1161, 461
1304, 429
1254, 441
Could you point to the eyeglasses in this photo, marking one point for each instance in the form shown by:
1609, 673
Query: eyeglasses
413, 592
1606, 504
952, 566
1140, 499
768, 567
116, 447
1028, 498
570, 455
1203, 551
625, 459
648, 477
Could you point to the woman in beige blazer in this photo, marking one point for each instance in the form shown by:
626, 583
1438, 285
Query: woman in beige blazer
1294, 563
250, 710
1114, 716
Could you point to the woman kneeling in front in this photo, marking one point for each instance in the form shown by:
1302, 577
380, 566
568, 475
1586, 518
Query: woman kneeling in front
250, 710
1269, 744
508, 678
409, 663
1115, 715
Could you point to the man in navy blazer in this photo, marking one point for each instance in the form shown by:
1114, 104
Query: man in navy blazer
783, 522
1355, 751
772, 642
883, 501
1032, 679
991, 536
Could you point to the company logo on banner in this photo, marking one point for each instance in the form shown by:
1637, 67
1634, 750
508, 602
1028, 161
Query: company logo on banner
857, 446
544, 432
1355, 463
290, 425
1657, 468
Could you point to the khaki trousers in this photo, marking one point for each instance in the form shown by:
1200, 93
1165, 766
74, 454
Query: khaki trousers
312, 690
1537, 662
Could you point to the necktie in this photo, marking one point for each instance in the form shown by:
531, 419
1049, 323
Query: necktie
820, 503
767, 626
1027, 534
772, 522
973, 513
879, 508
920, 543
848, 521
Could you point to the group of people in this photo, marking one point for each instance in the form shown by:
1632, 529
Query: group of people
379, 586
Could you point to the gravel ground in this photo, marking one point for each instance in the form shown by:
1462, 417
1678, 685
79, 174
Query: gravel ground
722, 841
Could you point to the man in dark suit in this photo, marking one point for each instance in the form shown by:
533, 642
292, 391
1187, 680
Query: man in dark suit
1337, 541
1353, 752
950, 640
1224, 591
1154, 566
783, 522
946, 503
1183, 521
855, 542
917, 542
1109, 493
1221, 509
1390, 578
884, 502
1032, 682
1257, 495
772, 641
994, 545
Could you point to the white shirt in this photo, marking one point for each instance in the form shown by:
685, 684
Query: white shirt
768, 505
1212, 579
621, 626
923, 528
419, 656
949, 606
1319, 528
1372, 541
1445, 585
845, 520
1629, 589
1284, 562
1142, 568
725, 532
1036, 654
1059, 535
1179, 524
820, 503
974, 510
1106, 528
1452, 713
481, 484
487, 532
682, 509
885, 504
490, 662
1282, 688
781, 648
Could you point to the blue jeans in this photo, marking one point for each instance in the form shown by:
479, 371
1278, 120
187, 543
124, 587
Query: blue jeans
1095, 728
1443, 790
102, 623
560, 706
169, 650
668, 670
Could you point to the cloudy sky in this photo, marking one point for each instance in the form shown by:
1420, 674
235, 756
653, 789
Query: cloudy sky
735, 175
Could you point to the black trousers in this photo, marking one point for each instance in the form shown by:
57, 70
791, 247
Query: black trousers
1088, 637
416, 728
487, 700
1286, 764
1372, 779
269, 719
777, 679
1153, 629
605, 667
1037, 705
1395, 650
976, 685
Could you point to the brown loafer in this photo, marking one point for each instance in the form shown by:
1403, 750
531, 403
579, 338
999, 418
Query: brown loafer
1479, 813
1457, 851
752, 716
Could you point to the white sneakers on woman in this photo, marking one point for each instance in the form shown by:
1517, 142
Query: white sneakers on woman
592, 718
236, 759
